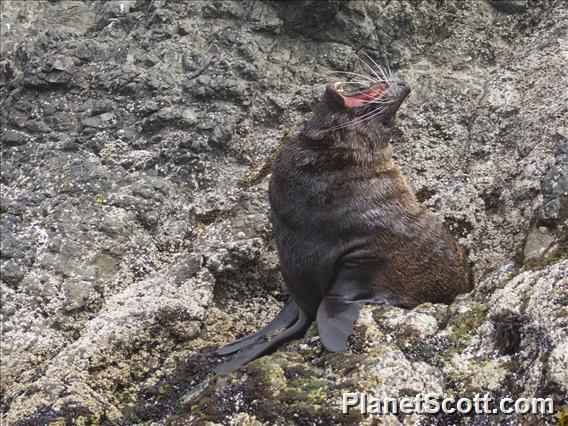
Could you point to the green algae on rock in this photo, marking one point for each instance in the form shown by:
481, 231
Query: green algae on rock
134, 221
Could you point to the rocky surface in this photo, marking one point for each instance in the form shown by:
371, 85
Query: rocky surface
137, 140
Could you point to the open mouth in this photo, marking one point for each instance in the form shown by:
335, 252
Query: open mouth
361, 97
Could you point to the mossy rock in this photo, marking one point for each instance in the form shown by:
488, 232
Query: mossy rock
276, 389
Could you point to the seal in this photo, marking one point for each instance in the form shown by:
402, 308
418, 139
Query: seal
348, 228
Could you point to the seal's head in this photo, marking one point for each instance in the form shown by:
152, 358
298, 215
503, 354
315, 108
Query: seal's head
347, 116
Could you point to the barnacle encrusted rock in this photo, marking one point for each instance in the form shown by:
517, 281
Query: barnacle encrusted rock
137, 139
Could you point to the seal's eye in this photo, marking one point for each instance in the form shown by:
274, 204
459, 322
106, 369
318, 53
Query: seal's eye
388, 120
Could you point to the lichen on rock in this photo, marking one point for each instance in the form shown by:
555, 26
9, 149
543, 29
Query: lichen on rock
137, 141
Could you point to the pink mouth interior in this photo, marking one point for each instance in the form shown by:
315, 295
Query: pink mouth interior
363, 97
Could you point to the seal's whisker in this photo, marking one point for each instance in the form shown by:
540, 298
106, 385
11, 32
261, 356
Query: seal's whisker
354, 121
378, 66
382, 106
358, 75
355, 82
371, 100
339, 172
391, 75
379, 101
361, 119
368, 66
361, 92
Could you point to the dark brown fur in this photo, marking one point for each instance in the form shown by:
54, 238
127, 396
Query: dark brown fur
349, 229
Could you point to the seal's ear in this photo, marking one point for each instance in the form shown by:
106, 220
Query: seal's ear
332, 99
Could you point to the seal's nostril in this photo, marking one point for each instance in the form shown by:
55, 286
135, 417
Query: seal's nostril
404, 85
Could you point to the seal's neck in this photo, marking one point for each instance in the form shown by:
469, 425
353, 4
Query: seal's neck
382, 158
358, 160
376, 156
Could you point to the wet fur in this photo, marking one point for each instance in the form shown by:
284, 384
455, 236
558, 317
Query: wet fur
348, 228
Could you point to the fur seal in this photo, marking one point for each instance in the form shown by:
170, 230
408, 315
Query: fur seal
348, 228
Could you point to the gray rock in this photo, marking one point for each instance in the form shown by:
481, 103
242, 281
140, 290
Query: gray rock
78, 294
537, 243
135, 230
100, 121
510, 6
555, 189
12, 271
14, 137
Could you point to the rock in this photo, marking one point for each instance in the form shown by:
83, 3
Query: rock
14, 138
96, 107
55, 71
510, 6
307, 16
537, 243
134, 217
100, 121
78, 294
555, 189
12, 271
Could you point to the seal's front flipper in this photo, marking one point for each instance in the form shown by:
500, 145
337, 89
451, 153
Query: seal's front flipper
335, 321
285, 318
297, 330
340, 307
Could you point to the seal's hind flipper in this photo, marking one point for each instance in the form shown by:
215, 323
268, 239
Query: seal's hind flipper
285, 318
297, 330
340, 307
